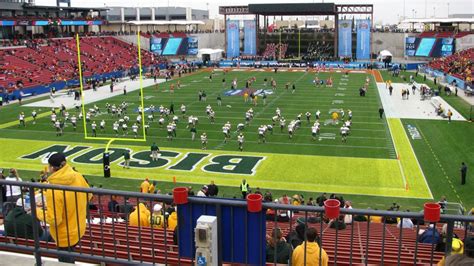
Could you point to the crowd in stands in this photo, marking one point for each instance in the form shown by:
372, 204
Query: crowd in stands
38, 63
319, 51
460, 65
274, 51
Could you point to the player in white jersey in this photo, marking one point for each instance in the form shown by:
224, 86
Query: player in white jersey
183, 110
161, 121
282, 124
348, 124
248, 116
240, 140
314, 131
21, 119
269, 128
88, 117
204, 141
116, 128
344, 133
59, 130
278, 112
34, 114
150, 117
291, 128
135, 130
124, 129
169, 129
102, 125
126, 119
190, 121
318, 114
226, 131
94, 129
274, 120
74, 122
342, 113
147, 126
261, 134
240, 127
161, 109
66, 116
53, 118
173, 124
175, 119
139, 119
208, 109
349, 114
212, 116
308, 117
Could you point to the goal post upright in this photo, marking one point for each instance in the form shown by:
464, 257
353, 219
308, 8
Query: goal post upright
106, 161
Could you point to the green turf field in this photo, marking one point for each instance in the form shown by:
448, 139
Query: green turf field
378, 158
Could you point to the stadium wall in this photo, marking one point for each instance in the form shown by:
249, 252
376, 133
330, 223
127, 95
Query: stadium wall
394, 42
465, 42
211, 40
144, 42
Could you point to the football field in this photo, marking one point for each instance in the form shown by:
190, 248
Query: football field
377, 158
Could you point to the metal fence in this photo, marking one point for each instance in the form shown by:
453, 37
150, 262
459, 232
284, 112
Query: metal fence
110, 238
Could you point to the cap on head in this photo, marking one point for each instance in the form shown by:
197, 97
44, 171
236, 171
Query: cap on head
57, 159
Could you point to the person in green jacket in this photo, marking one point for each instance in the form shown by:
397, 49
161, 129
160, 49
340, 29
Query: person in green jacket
18, 223
275, 244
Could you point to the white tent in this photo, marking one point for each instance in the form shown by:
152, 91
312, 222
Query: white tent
210, 54
384, 54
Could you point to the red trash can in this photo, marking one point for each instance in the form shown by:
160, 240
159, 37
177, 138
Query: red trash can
432, 212
332, 208
254, 202
180, 195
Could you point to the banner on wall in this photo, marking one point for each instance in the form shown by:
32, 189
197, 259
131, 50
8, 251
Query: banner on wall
250, 37
233, 39
363, 39
345, 38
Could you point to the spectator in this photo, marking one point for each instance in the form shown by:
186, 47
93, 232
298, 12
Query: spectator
405, 223
277, 248
321, 199
429, 236
152, 188
173, 220
157, 219
140, 216
190, 191
375, 219
314, 254
112, 206
202, 192
13, 193
212, 189
348, 217
66, 211
296, 237
244, 188
443, 203
145, 186
457, 246
457, 258
18, 223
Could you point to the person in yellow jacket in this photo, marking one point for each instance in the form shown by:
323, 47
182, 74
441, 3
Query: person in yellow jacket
144, 216
145, 186
313, 254
152, 188
65, 212
173, 220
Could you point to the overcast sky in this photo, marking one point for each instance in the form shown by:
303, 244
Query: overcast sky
386, 11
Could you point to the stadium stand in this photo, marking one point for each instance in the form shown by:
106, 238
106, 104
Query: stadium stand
43, 64
459, 64
109, 237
